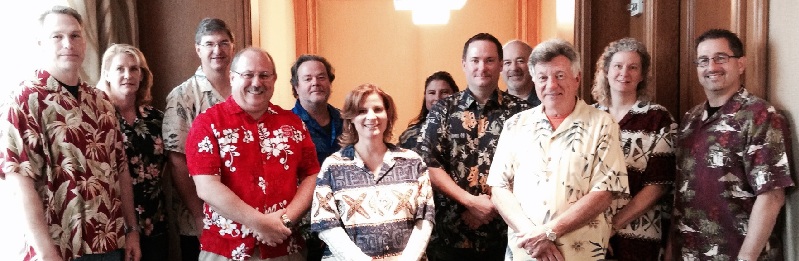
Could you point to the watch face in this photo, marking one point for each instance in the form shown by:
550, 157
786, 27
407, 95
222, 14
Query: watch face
551, 235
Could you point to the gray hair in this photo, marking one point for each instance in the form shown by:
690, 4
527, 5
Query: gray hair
548, 50
59, 9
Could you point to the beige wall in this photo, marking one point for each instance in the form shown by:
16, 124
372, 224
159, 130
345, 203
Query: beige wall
783, 80
368, 41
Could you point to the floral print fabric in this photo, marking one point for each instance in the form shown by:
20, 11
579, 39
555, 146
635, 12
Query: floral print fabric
460, 136
647, 140
409, 138
183, 104
145, 149
261, 161
377, 212
724, 161
72, 149
553, 169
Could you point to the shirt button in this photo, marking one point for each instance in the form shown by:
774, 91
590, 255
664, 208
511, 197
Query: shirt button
386, 247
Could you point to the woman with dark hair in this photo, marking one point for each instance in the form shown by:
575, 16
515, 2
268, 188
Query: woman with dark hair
127, 80
438, 86
647, 140
371, 189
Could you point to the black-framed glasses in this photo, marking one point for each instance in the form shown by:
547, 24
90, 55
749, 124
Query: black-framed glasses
718, 59
262, 76
223, 44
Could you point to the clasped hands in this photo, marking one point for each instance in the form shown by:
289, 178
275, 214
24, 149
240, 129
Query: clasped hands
536, 244
479, 212
270, 229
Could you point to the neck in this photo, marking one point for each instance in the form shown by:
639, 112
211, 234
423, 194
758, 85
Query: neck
719, 98
481, 94
126, 107
219, 80
622, 100
68, 77
560, 111
523, 92
317, 111
372, 152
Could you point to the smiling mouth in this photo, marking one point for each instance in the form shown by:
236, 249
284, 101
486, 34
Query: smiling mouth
255, 90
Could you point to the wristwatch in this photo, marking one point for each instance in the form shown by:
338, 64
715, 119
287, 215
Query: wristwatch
286, 220
551, 236
129, 229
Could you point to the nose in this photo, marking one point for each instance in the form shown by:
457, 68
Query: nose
370, 114
126, 74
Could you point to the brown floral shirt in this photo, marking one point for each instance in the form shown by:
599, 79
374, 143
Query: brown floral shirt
460, 136
72, 149
724, 161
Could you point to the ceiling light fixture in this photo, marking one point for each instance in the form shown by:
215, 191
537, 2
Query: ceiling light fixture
429, 12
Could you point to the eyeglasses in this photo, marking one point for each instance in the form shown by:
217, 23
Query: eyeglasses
211, 45
262, 76
718, 59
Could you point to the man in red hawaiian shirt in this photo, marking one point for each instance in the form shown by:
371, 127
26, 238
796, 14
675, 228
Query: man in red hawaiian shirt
247, 156
61, 152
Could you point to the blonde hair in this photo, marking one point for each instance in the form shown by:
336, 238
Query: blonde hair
143, 95
601, 89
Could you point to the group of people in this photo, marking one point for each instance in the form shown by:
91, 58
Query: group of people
619, 179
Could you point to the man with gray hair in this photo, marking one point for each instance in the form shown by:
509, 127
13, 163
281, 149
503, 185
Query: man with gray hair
566, 159
210, 84
515, 72
62, 155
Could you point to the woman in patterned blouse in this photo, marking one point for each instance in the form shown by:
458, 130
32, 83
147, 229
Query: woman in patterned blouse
647, 140
373, 200
437, 86
127, 79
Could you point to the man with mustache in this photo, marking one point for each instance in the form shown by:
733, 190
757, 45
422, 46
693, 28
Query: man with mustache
515, 72
254, 164
732, 163
63, 158
460, 136
210, 84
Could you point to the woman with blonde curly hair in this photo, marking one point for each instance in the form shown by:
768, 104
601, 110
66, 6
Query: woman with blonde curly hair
647, 134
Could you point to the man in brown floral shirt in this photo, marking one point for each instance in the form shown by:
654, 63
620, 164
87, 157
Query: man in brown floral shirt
732, 163
61, 153
460, 136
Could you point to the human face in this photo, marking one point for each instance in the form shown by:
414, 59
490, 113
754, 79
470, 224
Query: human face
215, 51
719, 78
436, 90
63, 43
253, 82
482, 66
514, 67
556, 84
124, 76
313, 85
372, 119
624, 73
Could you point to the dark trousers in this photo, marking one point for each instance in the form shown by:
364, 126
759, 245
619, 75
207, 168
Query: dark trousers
189, 248
154, 248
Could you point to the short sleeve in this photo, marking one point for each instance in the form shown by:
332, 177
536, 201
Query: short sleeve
434, 135
202, 148
309, 164
766, 159
324, 212
20, 141
608, 170
177, 121
503, 165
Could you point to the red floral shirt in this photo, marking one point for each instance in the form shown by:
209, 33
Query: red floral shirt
72, 149
261, 161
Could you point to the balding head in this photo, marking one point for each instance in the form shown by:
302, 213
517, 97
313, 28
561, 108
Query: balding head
515, 72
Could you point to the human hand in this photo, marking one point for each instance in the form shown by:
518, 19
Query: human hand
132, 247
548, 252
470, 220
482, 209
535, 243
270, 229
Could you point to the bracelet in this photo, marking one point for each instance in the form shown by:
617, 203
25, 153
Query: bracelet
133, 228
286, 220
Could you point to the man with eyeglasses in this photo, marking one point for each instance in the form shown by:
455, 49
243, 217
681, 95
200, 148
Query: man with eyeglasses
732, 164
254, 164
209, 85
